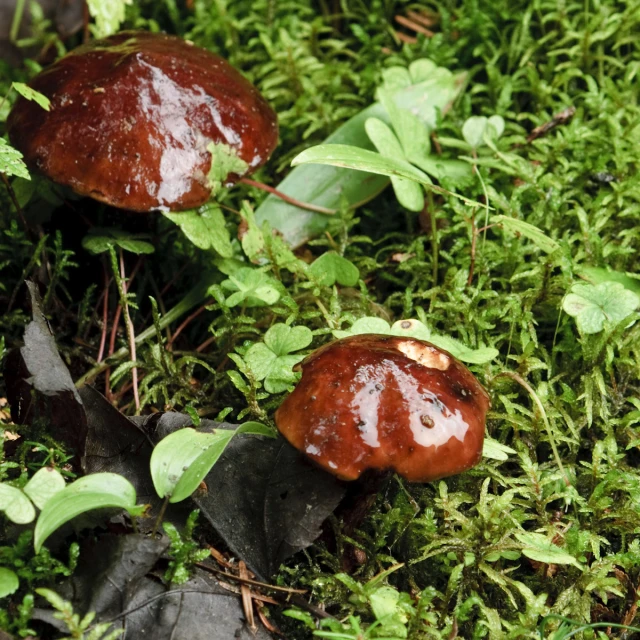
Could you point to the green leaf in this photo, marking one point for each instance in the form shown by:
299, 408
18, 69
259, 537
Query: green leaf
519, 227
251, 287
495, 450
260, 359
11, 163
597, 275
476, 128
269, 361
331, 267
108, 15
416, 329
95, 491
43, 485
332, 187
340, 155
410, 194
457, 349
283, 339
539, 548
9, 582
251, 238
99, 239
205, 227
593, 305
224, 161
15, 504
181, 461
31, 94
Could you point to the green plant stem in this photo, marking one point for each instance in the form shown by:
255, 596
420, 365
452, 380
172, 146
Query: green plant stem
434, 239
17, 19
197, 295
158, 521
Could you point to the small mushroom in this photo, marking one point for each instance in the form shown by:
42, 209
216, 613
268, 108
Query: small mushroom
376, 402
132, 117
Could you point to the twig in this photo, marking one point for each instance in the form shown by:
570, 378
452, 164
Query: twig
187, 321
105, 313
249, 581
193, 297
405, 22
289, 199
246, 595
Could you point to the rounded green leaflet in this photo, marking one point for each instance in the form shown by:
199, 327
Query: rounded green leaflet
9, 582
593, 305
15, 504
96, 491
44, 484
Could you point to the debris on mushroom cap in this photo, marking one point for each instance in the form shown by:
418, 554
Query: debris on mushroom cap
133, 118
385, 402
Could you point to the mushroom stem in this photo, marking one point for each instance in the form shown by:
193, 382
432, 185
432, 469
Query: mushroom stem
289, 199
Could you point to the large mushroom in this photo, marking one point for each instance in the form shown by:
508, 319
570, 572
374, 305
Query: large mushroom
379, 402
133, 119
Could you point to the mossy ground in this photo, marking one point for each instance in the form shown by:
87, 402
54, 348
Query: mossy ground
460, 539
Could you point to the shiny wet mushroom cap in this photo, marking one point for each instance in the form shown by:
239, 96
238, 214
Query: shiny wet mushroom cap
385, 402
133, 118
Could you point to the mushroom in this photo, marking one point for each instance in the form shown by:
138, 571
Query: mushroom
133, 118
379, 402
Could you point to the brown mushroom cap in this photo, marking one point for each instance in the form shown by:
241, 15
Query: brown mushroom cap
384, 402
131, 118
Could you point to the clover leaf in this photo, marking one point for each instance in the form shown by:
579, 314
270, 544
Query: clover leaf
251, 287
331, 267
272, 361
99, 239
205, 227
594, 305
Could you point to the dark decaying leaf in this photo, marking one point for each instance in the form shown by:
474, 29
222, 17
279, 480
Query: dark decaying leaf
39, 385
113, 580
264, 499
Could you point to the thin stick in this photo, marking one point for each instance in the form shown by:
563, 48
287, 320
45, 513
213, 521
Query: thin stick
249, 581
14, 200
105, 313
186, 322
289, 199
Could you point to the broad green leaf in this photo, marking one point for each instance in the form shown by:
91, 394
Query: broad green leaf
412, 329
364, 325
205, 227
482, 355
282, 376
43, 485
260, 359
593, 305
15, 504
456, 173
108, 15
495, 450
99, 239
251, 287
597, 275
538, 237
332, 187
11, 163
331, 267
541, 549
416, 329
224, 161
95, 491
31, 94
181, 461
410, 194
283, 339
9, 582
340, 155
